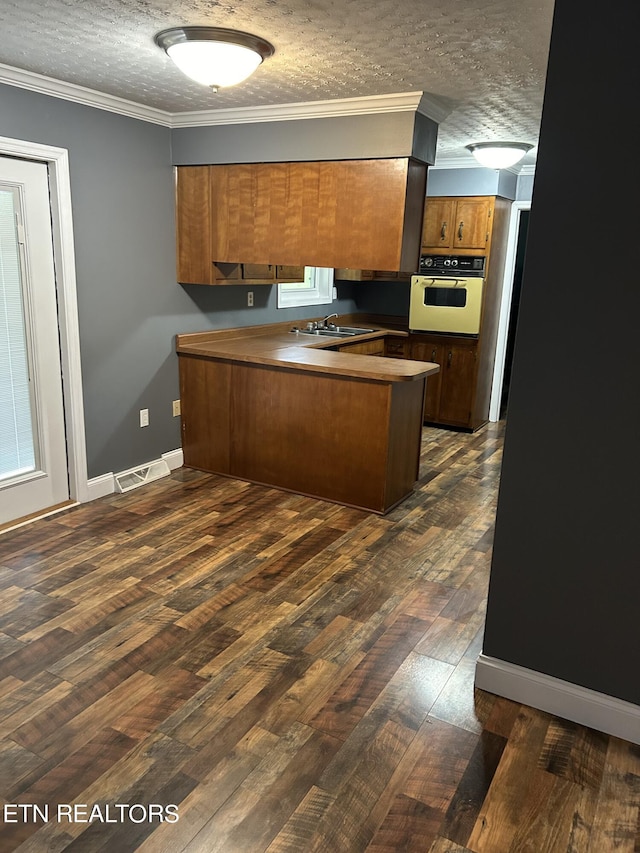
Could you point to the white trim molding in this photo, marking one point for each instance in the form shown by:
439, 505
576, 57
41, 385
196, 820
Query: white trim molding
467, 161
174, 458
561, 698
400, 102
105, 484
81, 95
100, 487
397, 102
504, 315
57, 160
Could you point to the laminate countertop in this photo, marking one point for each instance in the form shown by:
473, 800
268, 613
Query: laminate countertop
277, 346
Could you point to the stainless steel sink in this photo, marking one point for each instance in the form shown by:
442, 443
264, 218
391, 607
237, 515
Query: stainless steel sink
337, 332
324, 333
353, 330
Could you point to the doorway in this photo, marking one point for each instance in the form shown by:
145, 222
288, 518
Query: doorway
33, 453
52, 438
510, 303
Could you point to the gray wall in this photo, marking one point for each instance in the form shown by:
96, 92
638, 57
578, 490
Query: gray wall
226, 307
130, 306
333, 138
524, 189
128, 302
565, 581
480, 181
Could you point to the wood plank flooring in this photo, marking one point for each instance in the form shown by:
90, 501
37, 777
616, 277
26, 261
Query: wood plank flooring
294, 676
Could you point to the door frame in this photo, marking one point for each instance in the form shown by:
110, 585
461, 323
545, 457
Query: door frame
505, 308
57, 160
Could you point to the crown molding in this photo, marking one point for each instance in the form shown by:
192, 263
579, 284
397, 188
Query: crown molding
370, 105
398, 102
464, 161
433, 108
81, 95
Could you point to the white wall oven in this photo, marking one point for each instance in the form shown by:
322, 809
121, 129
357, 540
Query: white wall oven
446, 296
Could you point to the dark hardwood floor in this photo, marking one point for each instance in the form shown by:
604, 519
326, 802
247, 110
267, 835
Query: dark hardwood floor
296, 677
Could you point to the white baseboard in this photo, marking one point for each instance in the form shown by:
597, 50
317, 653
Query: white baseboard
100, 487
105, 484
575, 703
174, 458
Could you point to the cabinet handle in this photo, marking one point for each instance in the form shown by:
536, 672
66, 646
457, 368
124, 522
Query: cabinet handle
443, 231
433, 354
460, 227
449, 358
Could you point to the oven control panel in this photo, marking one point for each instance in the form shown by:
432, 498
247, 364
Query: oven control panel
450, 264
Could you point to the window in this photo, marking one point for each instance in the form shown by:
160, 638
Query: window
316, 289
17, 445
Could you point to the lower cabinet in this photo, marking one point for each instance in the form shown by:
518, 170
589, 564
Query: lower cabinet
450, 394
374, 347
396, 347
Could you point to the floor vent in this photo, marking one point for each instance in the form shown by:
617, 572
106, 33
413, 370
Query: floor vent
134, 477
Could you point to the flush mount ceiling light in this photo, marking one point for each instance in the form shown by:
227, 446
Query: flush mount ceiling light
214, 56
499, 155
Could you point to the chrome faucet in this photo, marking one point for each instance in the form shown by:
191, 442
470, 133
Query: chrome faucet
328, 317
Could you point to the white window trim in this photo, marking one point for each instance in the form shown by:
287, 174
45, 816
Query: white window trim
64, 257
318, 289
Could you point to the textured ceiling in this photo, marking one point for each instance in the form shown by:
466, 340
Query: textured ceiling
483, 60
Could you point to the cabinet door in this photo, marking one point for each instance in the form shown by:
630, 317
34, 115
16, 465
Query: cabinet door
258, 272
349, 213
345, 274
193, 225
471, 224
458, 371
289, 273
433, 352
375, 347
396, 347
437, 228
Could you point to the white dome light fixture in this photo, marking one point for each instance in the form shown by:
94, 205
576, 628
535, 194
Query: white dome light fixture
499, 155
213, 56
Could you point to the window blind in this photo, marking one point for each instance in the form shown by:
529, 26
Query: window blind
17, 454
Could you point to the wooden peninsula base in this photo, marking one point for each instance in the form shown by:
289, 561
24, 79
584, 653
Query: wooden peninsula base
303, 422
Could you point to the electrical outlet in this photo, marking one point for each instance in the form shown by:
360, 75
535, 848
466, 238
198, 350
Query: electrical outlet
144, 417
250, 299
176, 408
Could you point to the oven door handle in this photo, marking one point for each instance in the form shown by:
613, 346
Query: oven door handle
446, 282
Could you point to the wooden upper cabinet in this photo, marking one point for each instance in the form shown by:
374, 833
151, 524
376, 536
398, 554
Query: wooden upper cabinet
193, 225
438, 223
361, 214
457, 224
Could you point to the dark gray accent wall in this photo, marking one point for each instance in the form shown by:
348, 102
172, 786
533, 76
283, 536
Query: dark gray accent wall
383, 297
565, 580
130, 306
228, 305
333, 138
425, 138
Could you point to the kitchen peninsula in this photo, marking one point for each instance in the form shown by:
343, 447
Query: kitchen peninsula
292, 411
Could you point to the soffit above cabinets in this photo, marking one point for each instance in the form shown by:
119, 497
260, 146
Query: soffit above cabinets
483, 64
